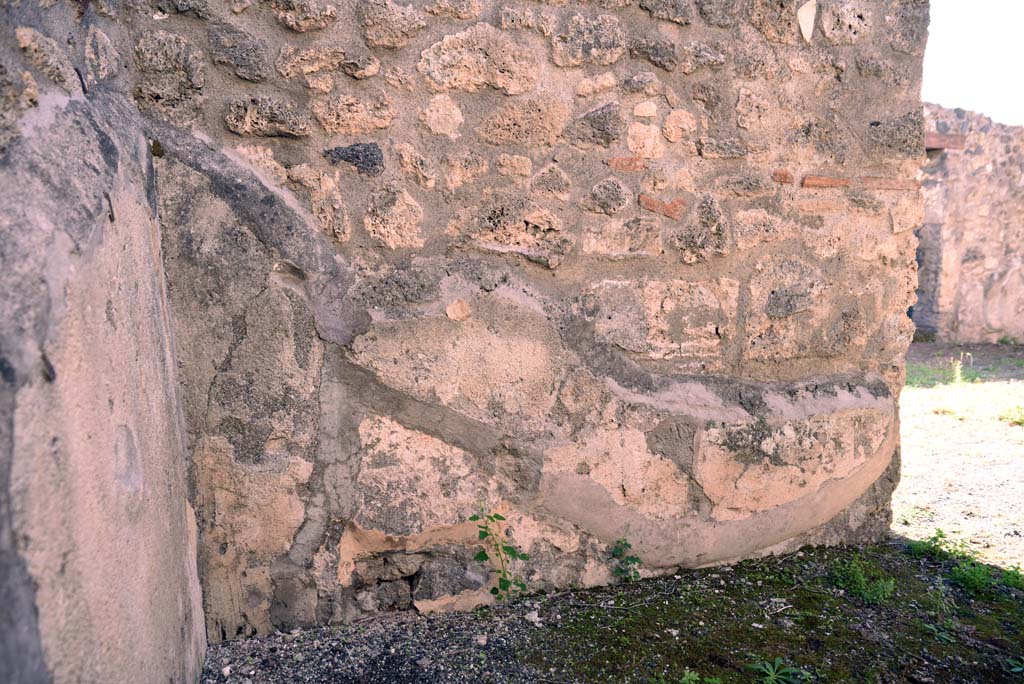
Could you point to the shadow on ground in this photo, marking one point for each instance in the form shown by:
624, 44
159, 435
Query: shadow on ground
904, 611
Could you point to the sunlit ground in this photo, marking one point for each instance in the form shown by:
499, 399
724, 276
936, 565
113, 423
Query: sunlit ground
963, 448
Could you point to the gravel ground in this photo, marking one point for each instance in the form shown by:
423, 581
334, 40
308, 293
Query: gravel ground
397, 647
715, 622
963, 472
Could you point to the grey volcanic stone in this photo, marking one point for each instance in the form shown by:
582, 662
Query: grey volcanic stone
237, 49
366, 157
601, 126
660, 53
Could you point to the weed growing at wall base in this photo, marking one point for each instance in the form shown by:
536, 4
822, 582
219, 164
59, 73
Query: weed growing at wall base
627, 566
500, 556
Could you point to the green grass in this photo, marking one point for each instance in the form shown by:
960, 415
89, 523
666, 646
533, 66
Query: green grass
973, 577
719, 621
923, 375
939, 546
1013, 577
1014, 416
863, 581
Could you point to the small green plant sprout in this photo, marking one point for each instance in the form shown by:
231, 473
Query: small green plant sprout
943, 633
1008, 340
689, 677
1015, 666
940, 602
872, 588
500, 555
776, 672
627, 566
658, 679
1013, 416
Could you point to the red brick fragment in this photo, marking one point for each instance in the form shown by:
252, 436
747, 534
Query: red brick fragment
674, 209
627, 163
825, 182
880, 183
782, 176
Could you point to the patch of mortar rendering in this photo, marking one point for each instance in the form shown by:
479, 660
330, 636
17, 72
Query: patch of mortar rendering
610, 269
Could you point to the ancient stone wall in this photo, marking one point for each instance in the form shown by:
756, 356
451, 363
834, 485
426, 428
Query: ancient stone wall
971, 251
613, 269
98, 575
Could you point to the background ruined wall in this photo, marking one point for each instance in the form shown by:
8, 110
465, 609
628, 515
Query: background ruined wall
98, 577
971, 252
616, 269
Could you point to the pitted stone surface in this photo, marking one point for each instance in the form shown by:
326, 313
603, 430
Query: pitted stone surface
477, 57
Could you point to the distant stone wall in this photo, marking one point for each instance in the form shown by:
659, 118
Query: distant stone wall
614, 269
971, 251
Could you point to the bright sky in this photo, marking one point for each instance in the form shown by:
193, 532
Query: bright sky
975, 59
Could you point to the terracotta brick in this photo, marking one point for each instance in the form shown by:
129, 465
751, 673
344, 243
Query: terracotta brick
627, 163
825, 182
782, 176
674, 209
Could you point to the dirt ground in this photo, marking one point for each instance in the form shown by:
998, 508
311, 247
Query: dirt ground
897, 613
963, 459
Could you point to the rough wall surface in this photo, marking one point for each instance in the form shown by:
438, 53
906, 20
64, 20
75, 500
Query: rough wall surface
98, 577
614, 269
971, 251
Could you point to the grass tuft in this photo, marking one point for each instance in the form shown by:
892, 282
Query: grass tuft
1013, 416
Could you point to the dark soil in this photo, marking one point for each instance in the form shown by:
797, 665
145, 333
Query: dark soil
714, 623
